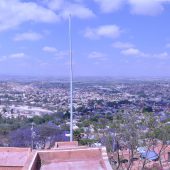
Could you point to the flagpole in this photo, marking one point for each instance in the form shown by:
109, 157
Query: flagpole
71, 81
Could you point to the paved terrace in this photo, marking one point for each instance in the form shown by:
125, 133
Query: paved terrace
70, 157
64, 156
13, 158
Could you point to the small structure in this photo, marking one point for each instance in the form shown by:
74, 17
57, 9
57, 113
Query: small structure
13, 158
69, 156
66, 144
150, 155
64, 156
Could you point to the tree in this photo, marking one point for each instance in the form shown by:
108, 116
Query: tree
77, 135
48, 134
45, 134
148, 109
20, 137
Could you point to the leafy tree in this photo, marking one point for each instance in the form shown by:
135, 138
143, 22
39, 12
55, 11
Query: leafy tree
45, 134
20, 137
77, 135
147, 109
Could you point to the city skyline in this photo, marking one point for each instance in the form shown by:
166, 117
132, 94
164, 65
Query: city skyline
110, 37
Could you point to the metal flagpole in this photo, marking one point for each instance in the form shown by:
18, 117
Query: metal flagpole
71, 82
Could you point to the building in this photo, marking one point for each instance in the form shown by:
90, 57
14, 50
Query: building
63, 156
13, 158
162, 150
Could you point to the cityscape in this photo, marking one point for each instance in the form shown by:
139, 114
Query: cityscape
84, 85
102, 110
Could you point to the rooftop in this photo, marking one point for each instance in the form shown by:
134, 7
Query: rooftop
65, 156
14, 157
71, 159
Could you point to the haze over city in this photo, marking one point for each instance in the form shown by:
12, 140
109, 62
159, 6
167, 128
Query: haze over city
110, 38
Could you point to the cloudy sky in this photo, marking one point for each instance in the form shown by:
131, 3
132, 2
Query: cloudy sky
110, 37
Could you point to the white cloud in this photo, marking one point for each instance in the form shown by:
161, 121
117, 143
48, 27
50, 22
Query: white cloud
109, 31
61, 54
107, 6
55, 4
122, 45
3, 58
58, 53
132, 52
163, 55
97, 56
17, 55
65, 7
77, 10
137, 53
146, 7
30, 36
14, 12
139, 7
168, 45
49, 49
13, 56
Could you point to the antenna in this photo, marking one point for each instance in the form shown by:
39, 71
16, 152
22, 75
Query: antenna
71, 81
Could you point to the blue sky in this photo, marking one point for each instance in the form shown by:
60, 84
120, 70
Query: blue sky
110, 37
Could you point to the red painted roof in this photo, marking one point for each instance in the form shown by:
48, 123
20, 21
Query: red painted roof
13, 156
75, 158
68, 156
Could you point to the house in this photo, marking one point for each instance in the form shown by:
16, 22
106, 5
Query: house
163, 151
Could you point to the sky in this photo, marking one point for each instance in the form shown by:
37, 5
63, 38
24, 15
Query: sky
109, 37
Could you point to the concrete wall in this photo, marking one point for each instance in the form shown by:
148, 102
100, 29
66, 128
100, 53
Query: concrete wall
84, 158
11, 168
